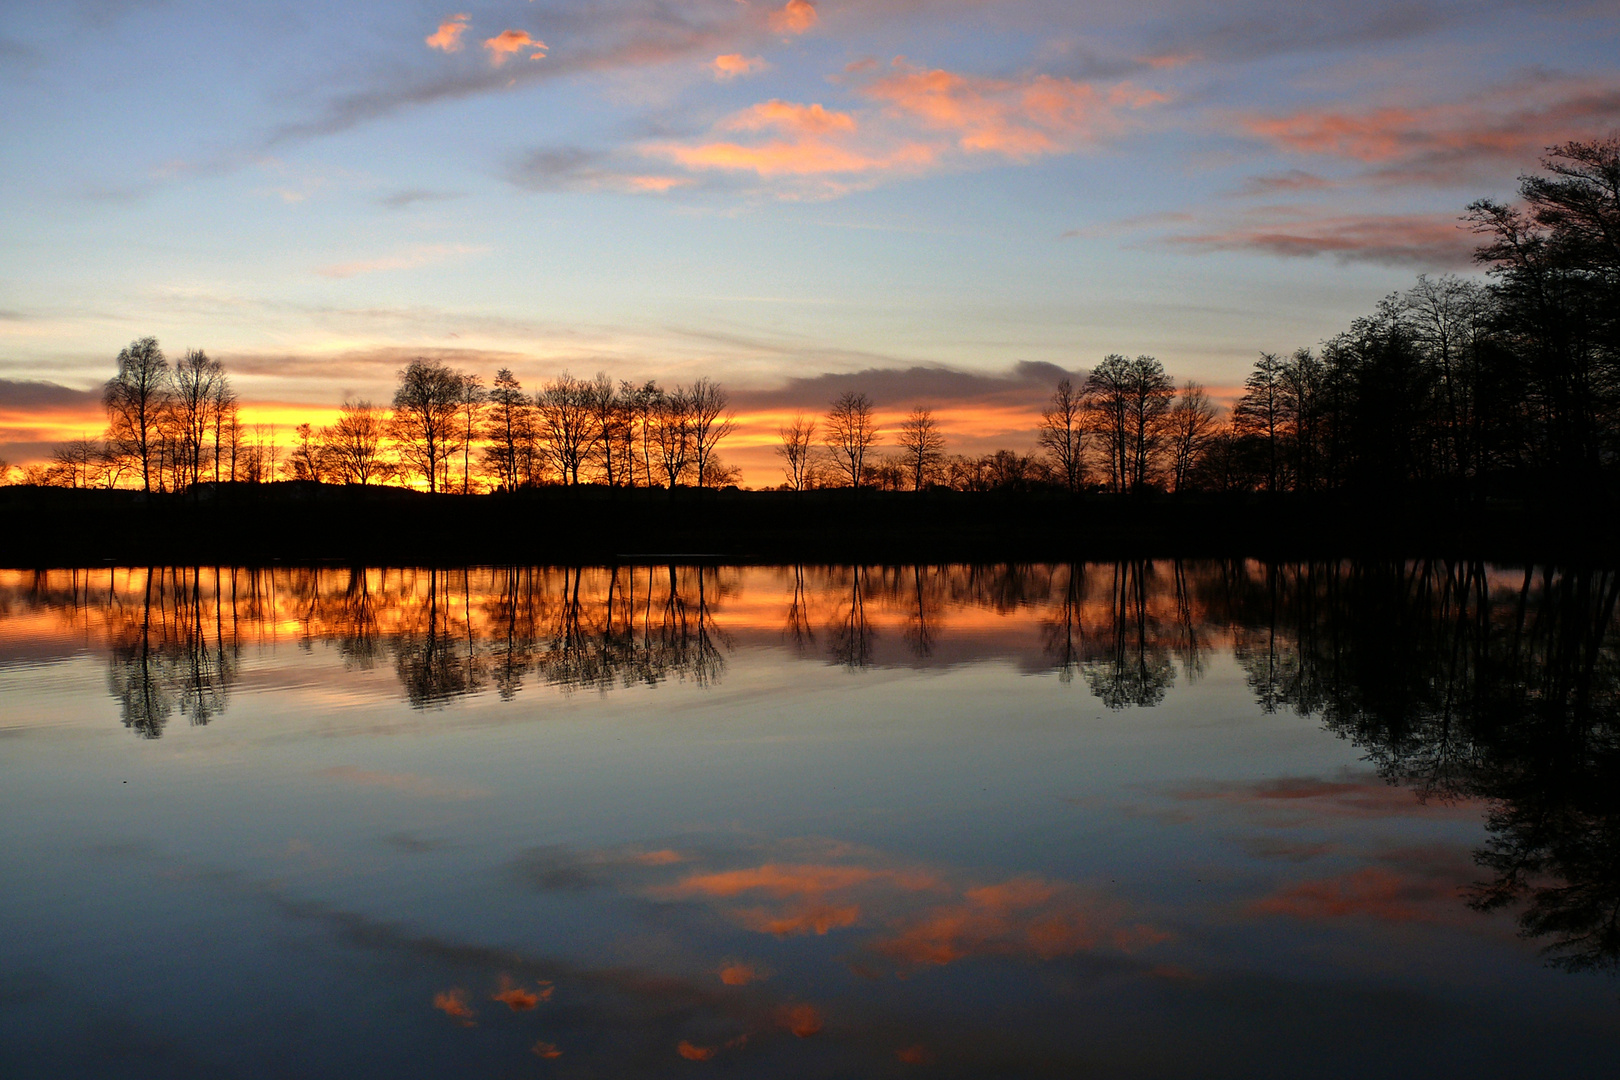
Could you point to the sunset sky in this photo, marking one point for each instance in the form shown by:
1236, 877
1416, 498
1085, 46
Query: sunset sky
939, 201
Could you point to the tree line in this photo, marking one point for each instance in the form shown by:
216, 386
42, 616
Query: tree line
1456, 387
1459, 388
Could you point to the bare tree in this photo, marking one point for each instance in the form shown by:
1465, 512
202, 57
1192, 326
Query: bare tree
427, 404
472, 399
1128, 400
568, 423
614, 424
795, 450
137, 399
851, 433
509, 432
712, 421
222, 413
304, 463
197, 384
1189, 427
353, 446
922, 447
78, 459
673, 418
1062, 434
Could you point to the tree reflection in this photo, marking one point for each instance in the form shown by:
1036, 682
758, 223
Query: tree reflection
1133, 665
169, 656
850, 633
1466, 685
1460, 680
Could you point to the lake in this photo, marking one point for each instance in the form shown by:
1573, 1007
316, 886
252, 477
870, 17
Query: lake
1134, 819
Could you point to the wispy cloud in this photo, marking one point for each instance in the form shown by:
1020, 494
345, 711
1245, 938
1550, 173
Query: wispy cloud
917, 120
1015, 118
1446, 144
409, 259
576, 168
399, 200
1424, 241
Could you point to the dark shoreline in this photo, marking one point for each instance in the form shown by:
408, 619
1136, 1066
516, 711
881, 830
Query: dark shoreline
309, 523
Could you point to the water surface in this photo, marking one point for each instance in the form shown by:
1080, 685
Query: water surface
1133, 819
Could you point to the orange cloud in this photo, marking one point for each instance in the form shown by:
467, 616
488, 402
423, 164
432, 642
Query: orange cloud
507, 42
663, 857
777, 880
732, 65
815, 919
693, 1052
797, 17
803, 1020
546, 1050
453, 1003
1508, 124
1019, 120
914, 1055
1371, 893
787, 116
447, 37
739, 974
1023, 917
517, 998
409, 259
814, 141
1375, 136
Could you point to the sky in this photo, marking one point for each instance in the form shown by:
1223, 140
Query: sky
945, 203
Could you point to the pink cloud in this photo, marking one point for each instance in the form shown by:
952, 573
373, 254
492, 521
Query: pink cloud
733, 65
1019, 119
447, 38
1420, 240
504, 44
808, 141
1370, 893
1509, 125
797, 17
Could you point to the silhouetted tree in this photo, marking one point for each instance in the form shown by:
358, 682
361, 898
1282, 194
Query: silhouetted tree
672, 419
509, 432
1262, 416
922, 447
304, 463
795, 450
851, 433
198, 384
1189, 427
712, 421
424, 424
137, 401
1555, 261
1062, 434
353, 445
472, 399
568, 424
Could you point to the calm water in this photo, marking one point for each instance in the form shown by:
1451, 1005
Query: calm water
1134, 820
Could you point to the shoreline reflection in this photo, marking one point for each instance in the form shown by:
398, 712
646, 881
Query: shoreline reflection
1460, 681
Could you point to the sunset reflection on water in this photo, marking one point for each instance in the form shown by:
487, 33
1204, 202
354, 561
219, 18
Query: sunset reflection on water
1148, 819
